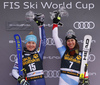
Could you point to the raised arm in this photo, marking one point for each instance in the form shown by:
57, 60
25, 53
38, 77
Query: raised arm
39, 19
61, 48
55, 36
42, 43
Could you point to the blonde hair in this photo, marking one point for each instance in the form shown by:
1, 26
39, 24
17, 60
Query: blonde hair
31, 33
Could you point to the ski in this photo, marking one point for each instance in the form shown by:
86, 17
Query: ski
86, 49
19, 53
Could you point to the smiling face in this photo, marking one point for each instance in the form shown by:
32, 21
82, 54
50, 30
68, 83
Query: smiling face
30, 45
71, 43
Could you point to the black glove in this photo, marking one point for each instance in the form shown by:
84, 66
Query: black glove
86, 81
22, 81
57, 18
39, 19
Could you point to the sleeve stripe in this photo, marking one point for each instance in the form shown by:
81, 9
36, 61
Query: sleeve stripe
54, 25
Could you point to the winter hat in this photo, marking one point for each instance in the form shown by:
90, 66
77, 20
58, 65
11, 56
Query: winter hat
31, 37
70, 35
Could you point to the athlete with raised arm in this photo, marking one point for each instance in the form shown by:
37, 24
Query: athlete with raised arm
32, 58
70, 55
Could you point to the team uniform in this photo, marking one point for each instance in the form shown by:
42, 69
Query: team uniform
70, 65
32, 62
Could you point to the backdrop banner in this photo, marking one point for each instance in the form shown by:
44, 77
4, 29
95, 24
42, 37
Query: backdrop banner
84, 18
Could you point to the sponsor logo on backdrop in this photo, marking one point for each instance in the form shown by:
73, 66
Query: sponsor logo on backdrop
81, 41
51, 25
92, 73
50, 41
13, 41
19, 25
84, 25
51, 57
48, 25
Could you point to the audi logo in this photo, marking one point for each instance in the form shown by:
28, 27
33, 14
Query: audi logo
51, 73
84, 25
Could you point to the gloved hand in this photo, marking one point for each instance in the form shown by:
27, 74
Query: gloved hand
57, 18
86, 81
39, 19
22, 81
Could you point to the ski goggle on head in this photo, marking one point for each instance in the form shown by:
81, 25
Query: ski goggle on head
31, 38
